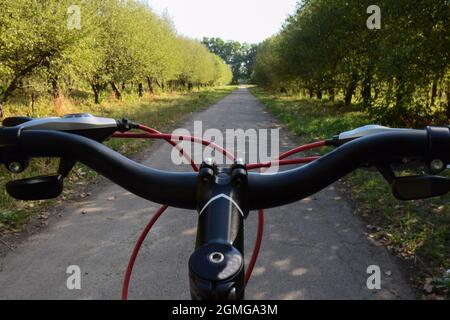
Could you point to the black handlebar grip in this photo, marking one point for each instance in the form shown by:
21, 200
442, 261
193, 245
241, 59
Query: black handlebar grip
266, 191
176, 189
9, 136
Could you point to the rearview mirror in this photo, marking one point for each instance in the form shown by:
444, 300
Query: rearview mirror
37, 188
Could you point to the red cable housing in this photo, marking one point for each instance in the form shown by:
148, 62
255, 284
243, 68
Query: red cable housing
302, 148
137, 247
259, 235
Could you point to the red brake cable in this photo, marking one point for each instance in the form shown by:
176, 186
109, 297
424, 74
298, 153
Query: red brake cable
259, 235
305, 147
137, 247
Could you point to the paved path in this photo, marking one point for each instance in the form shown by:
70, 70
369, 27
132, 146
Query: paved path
313, 249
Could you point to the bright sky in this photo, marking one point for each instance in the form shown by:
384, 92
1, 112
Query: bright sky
249, 21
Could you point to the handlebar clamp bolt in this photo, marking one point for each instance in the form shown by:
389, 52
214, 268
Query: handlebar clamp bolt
15, 167
216, 257
239, 171
437, 165
209, 161
207, 170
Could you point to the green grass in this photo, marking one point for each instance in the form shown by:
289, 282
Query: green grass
308, 118
161, 112
416, 230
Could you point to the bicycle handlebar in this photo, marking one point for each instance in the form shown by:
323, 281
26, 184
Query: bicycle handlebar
173, 189
265, 190
296, 184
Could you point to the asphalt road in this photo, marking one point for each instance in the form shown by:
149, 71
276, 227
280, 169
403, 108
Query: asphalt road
313, 249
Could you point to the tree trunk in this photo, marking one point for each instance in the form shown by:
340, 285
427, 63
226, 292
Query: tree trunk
56, 92
19, 76
190, 86
367, 92
448, 101
367, 97
141, 90
448, 109
56, 89
160, 84
332, 94
96, 90
400, 92
116, 90
319, 94
349, 92
171, 85
150, 86
9, 90
377, 92
183, 83
367, 86
433, 92
33, 102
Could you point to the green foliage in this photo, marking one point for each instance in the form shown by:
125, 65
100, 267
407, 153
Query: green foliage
418, 230
119, 43
239, 56
399, 73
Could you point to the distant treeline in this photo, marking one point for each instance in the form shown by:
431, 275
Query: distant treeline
52, 46
399, 73
239, 56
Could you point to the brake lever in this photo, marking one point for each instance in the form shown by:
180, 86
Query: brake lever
42, 187
65, 165
36, 188
420, 187
15, 121
414, 187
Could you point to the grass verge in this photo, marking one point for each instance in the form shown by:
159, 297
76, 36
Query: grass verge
417, 231
161, 112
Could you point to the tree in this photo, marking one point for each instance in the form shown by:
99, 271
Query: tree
33, 35
239, 56
117, 43
399, 73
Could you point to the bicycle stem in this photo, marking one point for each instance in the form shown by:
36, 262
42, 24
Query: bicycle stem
216, 267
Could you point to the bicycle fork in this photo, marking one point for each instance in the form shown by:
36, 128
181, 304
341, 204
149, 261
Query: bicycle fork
216, 267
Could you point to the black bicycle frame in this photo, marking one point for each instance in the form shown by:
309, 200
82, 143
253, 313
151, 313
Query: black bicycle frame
216, 267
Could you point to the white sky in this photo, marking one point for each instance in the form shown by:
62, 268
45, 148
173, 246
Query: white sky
249, 21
